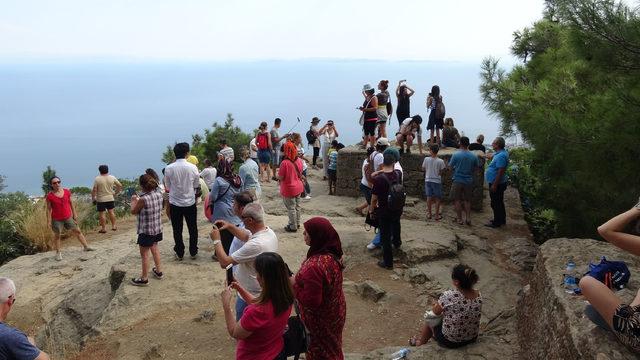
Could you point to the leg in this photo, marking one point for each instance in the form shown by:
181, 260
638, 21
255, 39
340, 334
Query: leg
112, 218
288, 203
176, 225
102, 220
155, 252
431, 135
325, 159
437, 201
600, 297
429, 203
383, 129
409, 140
316, 154
80, 236
438, 134
386, 228
494, 203
396, 238
144, 254
425, 334
458, 206
190, 216
56, 241
296, 201
400, 142
500, 214
467, 210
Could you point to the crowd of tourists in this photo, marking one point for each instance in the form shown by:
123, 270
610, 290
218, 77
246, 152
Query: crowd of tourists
268, 293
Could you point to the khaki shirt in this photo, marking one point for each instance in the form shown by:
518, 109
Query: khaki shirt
105, 187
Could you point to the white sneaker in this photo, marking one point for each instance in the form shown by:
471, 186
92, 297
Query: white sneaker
58, 256
306, 197
371, 246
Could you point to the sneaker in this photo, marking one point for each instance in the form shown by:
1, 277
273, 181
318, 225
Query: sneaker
382, 265
308, 197
58, 256
290, 229
139, 282
371, 246
193, 257
89, 248
178, 258
157, 274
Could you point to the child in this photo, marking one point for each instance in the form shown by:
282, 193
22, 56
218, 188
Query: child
333, 165
460, 310
433, 167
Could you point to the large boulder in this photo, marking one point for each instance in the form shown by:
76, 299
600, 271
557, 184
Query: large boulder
551, 324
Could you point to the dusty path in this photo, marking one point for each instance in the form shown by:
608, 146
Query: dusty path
163, 320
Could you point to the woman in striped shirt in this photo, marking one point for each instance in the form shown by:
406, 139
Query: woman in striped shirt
148, 207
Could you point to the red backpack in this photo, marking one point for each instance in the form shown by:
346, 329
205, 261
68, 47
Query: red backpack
262, 141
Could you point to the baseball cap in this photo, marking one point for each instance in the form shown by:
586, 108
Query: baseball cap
383, 141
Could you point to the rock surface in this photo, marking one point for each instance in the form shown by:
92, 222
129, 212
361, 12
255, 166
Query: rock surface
551, 323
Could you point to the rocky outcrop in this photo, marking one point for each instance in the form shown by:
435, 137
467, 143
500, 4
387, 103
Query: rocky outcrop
350, 173
551, 324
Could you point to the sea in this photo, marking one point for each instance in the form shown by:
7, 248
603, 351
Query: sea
76, 115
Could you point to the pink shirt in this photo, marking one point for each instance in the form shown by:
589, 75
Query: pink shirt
291, 184
265, 342
60, 206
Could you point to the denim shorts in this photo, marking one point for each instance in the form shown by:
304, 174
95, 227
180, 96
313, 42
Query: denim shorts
433, 189
264, 156
366, 192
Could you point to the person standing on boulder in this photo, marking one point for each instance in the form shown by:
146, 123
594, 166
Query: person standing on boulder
182, 181
14, 344
496, 177
275, 143
148, 207
105, 187
290, 176
463, 163
329, 133
61, 213
403, 93
263, 143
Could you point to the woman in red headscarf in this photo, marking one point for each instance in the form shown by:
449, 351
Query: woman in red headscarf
290, 176
318, 289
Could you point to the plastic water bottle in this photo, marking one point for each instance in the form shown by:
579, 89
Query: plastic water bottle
400, 354
570, 278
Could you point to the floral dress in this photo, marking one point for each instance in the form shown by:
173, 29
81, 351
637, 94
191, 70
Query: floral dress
318, 289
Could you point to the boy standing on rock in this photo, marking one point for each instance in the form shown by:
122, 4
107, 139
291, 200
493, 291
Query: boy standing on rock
433, 166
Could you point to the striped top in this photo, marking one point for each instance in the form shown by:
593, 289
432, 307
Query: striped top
150, 217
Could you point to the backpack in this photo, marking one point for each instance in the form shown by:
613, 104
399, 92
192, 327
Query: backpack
397, 196
614, 274
440, 110
262, 141
311, 137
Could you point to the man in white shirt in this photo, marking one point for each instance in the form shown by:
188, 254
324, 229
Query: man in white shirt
209, 173
182, 181
262, 239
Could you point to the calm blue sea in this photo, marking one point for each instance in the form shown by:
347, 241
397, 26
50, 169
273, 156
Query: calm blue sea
75, 116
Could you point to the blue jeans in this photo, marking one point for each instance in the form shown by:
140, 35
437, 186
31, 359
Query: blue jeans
240, 306
376, 240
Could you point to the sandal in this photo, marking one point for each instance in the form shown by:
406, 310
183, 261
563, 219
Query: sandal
438, 217
157, 274
139, 282
413, 341
102, 231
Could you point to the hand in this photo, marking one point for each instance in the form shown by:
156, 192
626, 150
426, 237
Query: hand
31, 340
235, 286
75, 219
226, 297
215, 233
222, 224
489, 156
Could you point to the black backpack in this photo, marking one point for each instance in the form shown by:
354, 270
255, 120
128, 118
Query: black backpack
440, 110
397, 196
296, 336
311, 137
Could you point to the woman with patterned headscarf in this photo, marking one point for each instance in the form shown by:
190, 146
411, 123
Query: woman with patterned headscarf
226, 185
290, 176
318, 290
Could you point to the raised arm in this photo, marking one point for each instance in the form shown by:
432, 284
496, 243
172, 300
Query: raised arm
613, 231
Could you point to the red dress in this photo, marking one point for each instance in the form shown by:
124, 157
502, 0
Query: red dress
318, 289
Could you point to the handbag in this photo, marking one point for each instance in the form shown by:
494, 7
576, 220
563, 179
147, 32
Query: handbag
296, 336
372, 221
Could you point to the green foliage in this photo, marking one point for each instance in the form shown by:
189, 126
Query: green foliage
576, 101
80, 190
46, 176
207, 145
12, 244
2, 184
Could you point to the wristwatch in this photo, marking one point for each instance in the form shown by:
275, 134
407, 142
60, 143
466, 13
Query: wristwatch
216, 242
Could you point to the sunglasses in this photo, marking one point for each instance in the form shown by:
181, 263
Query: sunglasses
55, 182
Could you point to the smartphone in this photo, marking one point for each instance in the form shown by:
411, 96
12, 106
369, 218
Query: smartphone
229, 276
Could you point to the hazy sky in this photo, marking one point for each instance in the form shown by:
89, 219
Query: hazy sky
464, 30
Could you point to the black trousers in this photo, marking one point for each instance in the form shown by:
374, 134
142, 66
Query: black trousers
188, 213
497, 204
226, 237
389, 234
316, 153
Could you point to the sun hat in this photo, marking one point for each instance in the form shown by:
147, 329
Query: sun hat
383, 141
315, 120
367, 87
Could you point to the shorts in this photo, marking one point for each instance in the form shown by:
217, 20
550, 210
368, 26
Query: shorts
433, 189
369, 127
625, 325
275, 156
433, 122
264, 156
462, 192
69, 224
145, 240
444, 342
366, 192
107, 205
333, 174
382, 115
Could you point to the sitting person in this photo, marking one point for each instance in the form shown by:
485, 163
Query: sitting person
450, 135
409, 131
13, 343
460, 310
610, 312
478, 145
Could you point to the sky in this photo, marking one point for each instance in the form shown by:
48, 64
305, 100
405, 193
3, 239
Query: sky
214, 30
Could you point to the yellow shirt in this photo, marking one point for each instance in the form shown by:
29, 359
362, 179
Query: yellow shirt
193, 159
104, 185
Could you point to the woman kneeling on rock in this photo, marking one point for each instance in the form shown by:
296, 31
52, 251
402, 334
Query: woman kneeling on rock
148, 207
454, 320
611, 313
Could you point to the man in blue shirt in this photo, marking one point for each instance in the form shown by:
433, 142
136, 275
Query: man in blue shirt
496, 177
464, 163
13, 343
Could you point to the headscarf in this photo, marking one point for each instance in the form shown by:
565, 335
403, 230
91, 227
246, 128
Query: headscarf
324, 238
290, 151
225, 171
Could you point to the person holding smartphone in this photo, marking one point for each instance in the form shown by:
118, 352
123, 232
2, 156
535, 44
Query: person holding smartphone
259, 239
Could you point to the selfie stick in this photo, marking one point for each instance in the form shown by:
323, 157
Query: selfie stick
294, 126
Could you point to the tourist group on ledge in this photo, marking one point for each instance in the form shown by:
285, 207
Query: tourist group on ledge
259, 316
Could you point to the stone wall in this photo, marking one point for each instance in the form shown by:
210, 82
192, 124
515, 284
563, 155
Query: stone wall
350, 173
551, 323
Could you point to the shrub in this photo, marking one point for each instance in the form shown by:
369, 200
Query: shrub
13, 244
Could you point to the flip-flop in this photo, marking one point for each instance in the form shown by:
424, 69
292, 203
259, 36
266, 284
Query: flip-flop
102, 231
413, 341
114, 229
